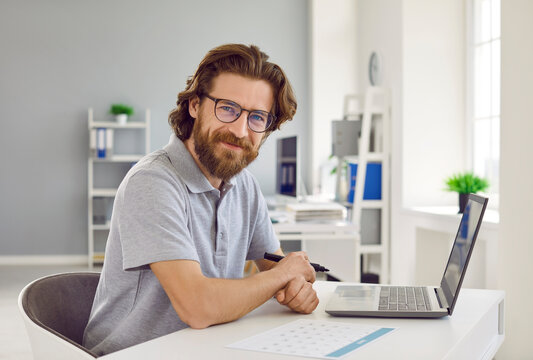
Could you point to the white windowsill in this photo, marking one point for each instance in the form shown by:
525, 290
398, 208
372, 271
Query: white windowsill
491, 219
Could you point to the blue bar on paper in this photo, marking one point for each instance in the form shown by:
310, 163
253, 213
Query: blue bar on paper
360, 342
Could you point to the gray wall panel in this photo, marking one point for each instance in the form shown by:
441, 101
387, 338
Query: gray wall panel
59, 57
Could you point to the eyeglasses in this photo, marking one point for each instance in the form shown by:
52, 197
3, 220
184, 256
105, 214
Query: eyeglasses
228, 111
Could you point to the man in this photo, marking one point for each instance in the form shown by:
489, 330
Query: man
187, 217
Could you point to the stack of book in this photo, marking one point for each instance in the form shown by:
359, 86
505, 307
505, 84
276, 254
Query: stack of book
317, 211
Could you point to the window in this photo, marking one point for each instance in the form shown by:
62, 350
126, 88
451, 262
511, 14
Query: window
484, 90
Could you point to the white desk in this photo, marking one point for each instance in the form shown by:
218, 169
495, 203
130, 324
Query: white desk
474, 331
346, 267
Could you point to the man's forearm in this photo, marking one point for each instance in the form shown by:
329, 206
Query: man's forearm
224, 300
201, 301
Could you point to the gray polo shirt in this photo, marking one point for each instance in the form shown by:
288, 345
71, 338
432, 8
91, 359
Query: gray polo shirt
165, 209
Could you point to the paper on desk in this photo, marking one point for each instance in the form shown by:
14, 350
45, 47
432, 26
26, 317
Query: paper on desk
313, 338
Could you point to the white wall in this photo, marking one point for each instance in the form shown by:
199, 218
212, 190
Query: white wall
333, 72
379, 28
434, 64
431, 136
516, 196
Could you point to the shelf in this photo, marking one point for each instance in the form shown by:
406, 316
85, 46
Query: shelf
103, 192
114, 125
374, 110
370, 157
118, 158
371, 249
101, 226
106, 171
372, 204
367, 204
98, 257
376, 130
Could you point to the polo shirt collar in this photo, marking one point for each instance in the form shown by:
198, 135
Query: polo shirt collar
185, 165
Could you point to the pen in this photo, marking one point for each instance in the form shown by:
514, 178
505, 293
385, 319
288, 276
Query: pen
276, 258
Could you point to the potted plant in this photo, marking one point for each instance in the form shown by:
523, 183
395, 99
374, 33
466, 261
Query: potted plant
342, 183
464, 184
121, 112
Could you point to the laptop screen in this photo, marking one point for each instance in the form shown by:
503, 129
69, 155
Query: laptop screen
462, 248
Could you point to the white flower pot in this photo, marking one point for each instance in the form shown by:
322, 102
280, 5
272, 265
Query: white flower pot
121, 119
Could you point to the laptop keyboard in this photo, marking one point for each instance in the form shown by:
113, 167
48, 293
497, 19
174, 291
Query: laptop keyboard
404, 298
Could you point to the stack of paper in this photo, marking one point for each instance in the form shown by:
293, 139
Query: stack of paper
316, 211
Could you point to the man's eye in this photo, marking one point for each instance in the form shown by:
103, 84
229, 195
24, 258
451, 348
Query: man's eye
257, 117
227, 108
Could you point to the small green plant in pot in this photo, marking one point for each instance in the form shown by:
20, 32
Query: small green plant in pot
342, 183
464, 184
121, 112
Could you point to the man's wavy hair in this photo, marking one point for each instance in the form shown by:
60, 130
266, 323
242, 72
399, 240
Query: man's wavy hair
239, 59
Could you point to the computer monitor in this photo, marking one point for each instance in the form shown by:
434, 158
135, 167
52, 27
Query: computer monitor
287, 171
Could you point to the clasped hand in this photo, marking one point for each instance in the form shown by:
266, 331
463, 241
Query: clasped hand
298, 294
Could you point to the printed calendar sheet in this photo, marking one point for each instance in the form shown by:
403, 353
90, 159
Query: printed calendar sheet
314, 338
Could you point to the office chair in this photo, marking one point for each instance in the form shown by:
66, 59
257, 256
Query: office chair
55, 310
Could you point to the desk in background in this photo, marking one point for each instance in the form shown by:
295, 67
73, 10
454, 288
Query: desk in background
336, 245
474, 331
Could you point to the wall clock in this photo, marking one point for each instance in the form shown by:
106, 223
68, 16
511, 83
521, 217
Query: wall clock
374, 69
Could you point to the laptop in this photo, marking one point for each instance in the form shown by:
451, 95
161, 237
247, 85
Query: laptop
416, 301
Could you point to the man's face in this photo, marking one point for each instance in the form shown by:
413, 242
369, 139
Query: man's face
224, 149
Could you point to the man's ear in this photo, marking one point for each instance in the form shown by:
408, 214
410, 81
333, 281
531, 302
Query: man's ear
194, 107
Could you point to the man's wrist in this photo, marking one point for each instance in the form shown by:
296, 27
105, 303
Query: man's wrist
279, 273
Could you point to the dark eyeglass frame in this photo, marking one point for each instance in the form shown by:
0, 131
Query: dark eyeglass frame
271, 117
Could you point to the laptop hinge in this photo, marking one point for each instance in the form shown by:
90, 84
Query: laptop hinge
441, 298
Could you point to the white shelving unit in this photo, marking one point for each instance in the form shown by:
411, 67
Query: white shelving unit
374, 111
120, 161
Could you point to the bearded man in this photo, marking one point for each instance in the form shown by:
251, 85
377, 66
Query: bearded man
187, 217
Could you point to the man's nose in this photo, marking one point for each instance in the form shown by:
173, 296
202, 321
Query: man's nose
240, 126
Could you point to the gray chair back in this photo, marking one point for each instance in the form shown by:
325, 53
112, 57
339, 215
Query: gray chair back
62, 304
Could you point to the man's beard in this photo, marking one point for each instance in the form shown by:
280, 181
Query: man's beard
224, 163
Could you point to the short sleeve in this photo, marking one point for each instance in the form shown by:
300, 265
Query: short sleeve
152, 219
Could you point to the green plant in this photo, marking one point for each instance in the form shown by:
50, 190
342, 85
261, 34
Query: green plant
466, 183
117, 109
344, 166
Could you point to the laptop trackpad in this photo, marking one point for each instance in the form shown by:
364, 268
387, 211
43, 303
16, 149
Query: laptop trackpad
359, 297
